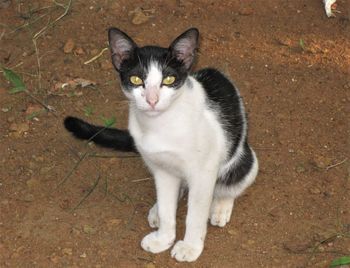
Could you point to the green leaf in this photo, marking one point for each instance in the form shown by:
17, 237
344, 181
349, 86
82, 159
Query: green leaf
108, 122
88, 110
340, 261
15, 80
302, 44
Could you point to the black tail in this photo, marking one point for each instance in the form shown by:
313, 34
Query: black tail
120, 140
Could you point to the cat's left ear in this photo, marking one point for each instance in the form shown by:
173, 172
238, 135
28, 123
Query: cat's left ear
183, 48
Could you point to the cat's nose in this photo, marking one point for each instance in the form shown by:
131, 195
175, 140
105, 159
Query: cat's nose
152, 102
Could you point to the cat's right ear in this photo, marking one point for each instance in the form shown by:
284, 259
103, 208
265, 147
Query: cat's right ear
121, 45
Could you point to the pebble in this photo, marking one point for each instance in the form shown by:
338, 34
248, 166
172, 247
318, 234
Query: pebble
5, 109
232, 232
83, 255
106, 65
69, 46
11, 119
79, 51
140, 16
88, 229
113, 223
284, 41
314, 190
94, 51
300, 169
33, 108
19, 127
28, 197
246, 11
150, 265
321, 162
67, 251
45, 170
346, 86
55, 259
32, 183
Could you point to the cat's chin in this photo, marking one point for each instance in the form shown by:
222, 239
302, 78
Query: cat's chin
152, 112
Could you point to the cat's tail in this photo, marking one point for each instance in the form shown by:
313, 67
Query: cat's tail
117, 139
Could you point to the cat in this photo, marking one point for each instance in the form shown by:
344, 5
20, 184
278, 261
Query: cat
191, 131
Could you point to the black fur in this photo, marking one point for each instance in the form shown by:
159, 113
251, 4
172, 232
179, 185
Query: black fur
224, 98
129, 59
117, 139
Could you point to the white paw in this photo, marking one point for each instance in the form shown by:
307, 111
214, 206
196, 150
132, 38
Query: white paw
155, 243
183, 251
220, 212
153, 219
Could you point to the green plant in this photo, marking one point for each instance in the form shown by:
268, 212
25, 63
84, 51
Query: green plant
345, 260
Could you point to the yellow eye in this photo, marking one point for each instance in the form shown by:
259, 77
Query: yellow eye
136, 80
169, 80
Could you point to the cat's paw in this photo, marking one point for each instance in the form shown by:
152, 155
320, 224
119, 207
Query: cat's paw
220, 212
155, 243
184, 251
153, 218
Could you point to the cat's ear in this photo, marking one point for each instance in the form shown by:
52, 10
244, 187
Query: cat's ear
121, 45
184, 47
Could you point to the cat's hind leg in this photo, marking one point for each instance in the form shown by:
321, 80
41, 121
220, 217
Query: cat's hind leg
221, 210
231, 185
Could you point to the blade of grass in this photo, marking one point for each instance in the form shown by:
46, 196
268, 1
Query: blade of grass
345, 260
87, 194
15, 80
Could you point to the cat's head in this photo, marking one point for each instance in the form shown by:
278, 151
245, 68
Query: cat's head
152, 76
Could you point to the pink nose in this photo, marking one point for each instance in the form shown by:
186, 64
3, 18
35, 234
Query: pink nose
152, 102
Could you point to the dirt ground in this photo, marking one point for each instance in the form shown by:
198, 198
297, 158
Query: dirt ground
64, 203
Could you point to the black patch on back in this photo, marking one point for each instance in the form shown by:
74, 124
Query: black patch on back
242, 168
223, 95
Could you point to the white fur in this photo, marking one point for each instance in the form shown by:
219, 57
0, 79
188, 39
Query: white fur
182, 141
166, 95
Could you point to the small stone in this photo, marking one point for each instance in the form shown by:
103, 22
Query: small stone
45, 170
69, 46
346, 86
39, 158
232, 232
150, 265
32, 183
5, 109
67, 251
83, 255
106, 65
246, 11
79, 51
300, 169
19, 127
33, 109
55, 259
321, 162
89, 229
284, 41
94, 51
139, 16
28, 198
314, 190
11, 119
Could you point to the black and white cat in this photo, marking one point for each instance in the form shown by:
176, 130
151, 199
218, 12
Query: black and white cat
191, 131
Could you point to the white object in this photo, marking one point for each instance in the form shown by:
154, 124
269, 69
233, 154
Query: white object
328, 7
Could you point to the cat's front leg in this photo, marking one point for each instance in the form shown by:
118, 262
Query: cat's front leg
199, 200
167, 187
